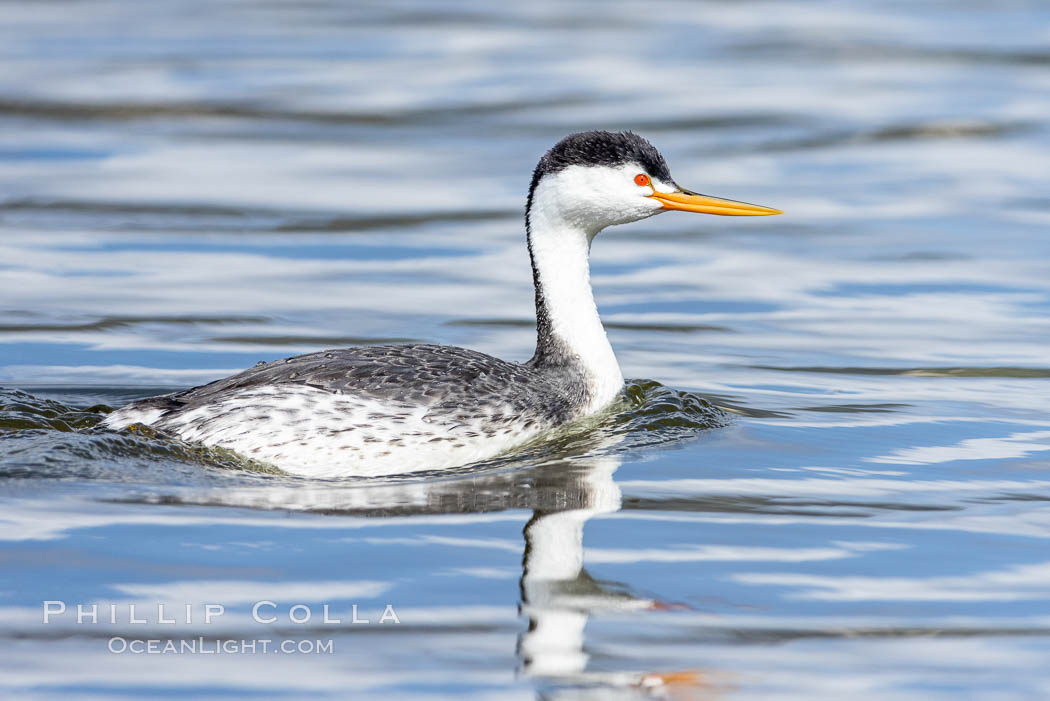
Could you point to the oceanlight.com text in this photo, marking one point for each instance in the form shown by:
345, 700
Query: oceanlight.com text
205, 646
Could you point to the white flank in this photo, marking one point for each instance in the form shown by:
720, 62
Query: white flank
311, 432
122, 418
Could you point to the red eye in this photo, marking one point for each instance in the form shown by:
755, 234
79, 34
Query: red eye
641, 180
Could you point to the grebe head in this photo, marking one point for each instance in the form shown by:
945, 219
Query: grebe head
587, 182
596, 179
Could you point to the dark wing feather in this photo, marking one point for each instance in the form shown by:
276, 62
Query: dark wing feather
402, 374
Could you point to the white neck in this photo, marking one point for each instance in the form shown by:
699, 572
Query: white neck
567, 316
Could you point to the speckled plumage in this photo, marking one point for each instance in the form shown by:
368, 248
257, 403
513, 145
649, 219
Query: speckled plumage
370, 410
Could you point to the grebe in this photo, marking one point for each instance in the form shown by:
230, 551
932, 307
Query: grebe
403, 408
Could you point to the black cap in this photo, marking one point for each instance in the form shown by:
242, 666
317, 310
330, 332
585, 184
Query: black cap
601, 148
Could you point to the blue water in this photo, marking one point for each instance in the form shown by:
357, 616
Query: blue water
187, 188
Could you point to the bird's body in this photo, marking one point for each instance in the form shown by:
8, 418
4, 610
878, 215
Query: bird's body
372, 409
392, 409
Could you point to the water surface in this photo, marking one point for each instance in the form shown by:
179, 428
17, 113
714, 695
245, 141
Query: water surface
188, 188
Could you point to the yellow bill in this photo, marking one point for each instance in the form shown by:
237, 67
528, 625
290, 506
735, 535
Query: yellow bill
687, 201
